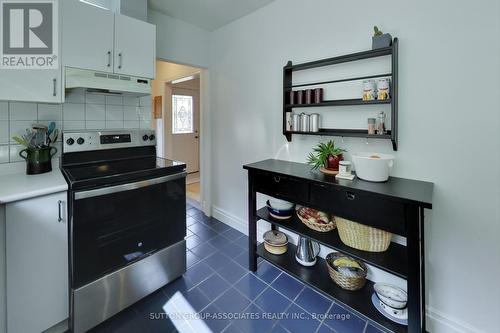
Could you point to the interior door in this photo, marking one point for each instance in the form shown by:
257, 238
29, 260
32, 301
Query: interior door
87, 36
135, 51
185, 127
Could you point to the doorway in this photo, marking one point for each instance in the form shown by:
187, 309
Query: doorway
178, 128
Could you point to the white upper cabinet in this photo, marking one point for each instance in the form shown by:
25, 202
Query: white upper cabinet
87, 36
135, 47
97, 39
31, 85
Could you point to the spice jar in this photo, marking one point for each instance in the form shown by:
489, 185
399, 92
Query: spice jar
371, 125
381, 123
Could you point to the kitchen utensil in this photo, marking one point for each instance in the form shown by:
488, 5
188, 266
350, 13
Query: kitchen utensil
307, 250
400, 317
373, 167
314, 122
345, 168
392, 296
304, 122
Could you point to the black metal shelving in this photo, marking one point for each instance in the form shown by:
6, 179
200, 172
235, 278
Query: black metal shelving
393, 260
317, 277
288, 86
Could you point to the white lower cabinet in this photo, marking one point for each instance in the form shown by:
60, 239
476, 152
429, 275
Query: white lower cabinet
37, 263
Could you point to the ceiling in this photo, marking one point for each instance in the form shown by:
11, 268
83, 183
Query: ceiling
207, 14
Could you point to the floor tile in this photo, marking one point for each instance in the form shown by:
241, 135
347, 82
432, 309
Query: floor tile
190, 221
271, 301
198, 273
197, 299
151, 313
126, 321
313, 302
372, 329
212, 316
232, 272
193, 241
216, 261
220, 227
242, 259
324, 329
191, 259
210, 222
213, 286
288, 286
267, 272
207, 234
232, 234
242, 241
232, 301
180, 284
299, 321
341, 320
279, 329
250, 286
230, 250
203, 250
253, 320
218, 241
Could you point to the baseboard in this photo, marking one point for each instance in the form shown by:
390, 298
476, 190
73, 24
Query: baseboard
437, 322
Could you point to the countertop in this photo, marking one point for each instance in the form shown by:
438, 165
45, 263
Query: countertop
16, 185
401, 189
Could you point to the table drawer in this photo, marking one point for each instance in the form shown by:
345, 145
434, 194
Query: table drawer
288, 188
360, 207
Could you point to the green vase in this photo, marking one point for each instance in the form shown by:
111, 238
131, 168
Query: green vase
38, 160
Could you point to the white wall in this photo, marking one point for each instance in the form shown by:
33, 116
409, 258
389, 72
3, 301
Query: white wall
179, 41
449, 118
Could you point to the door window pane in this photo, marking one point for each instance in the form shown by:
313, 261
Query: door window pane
182, 114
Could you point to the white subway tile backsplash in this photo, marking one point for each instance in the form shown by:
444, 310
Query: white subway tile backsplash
114, 124
49, 112
22, 111
81, 111
114, 100
73, 111
95, 124
4, 111
131, 101
4, 153
131, 112
4, 132
72, 125
114, 112
95, 98
95, 112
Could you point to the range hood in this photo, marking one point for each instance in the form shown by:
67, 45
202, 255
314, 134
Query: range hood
107, 83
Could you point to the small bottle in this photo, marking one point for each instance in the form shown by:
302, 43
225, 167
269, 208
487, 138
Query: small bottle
371, 125
381, 123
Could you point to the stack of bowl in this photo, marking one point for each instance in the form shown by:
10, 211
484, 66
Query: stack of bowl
280, 209
275, 242
392, 300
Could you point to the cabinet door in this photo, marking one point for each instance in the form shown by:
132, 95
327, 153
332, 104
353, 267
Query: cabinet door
37, 263
31, 85
135, 47
87, 36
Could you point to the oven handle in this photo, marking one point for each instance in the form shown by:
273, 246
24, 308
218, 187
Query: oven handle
127, 187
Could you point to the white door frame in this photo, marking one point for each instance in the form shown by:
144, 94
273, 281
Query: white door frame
205, 139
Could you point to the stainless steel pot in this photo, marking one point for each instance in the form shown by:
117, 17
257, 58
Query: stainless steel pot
307, 250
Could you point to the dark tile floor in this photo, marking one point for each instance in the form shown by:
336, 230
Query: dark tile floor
218, 282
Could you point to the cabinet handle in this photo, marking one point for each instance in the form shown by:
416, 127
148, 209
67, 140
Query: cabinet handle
120, 60
109, 59
277, 179
350, 196
54, 85
59, 203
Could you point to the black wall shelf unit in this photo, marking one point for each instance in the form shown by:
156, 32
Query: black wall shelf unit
288, 85
396, 206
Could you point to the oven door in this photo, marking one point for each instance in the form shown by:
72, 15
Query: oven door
115, 226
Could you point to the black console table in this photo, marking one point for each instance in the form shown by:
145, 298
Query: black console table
396, 206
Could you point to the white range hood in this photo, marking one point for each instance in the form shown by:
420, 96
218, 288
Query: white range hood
107, 83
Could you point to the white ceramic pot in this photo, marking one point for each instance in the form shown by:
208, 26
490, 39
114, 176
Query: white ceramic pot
373, 167
280, 204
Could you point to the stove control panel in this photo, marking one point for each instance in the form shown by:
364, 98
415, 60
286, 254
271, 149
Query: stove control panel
75, 141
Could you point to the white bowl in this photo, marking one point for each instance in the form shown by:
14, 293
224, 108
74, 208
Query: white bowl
373, 167
391, 296
280, 204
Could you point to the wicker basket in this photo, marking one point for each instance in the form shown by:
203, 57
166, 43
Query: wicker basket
345, 282
318, 226
362, 237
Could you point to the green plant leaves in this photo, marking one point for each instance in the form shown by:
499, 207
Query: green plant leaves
320, 153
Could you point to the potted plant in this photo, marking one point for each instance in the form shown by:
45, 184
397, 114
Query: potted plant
38, 152
380, 40
326, 155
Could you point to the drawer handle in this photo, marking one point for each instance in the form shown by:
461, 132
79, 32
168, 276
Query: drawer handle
350, 196
59, 204
277, 179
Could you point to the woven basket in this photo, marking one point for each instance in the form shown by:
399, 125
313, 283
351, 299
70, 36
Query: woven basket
345, 282
318, 226
362, 237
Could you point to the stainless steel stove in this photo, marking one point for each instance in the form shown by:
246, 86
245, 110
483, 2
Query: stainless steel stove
127, 221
